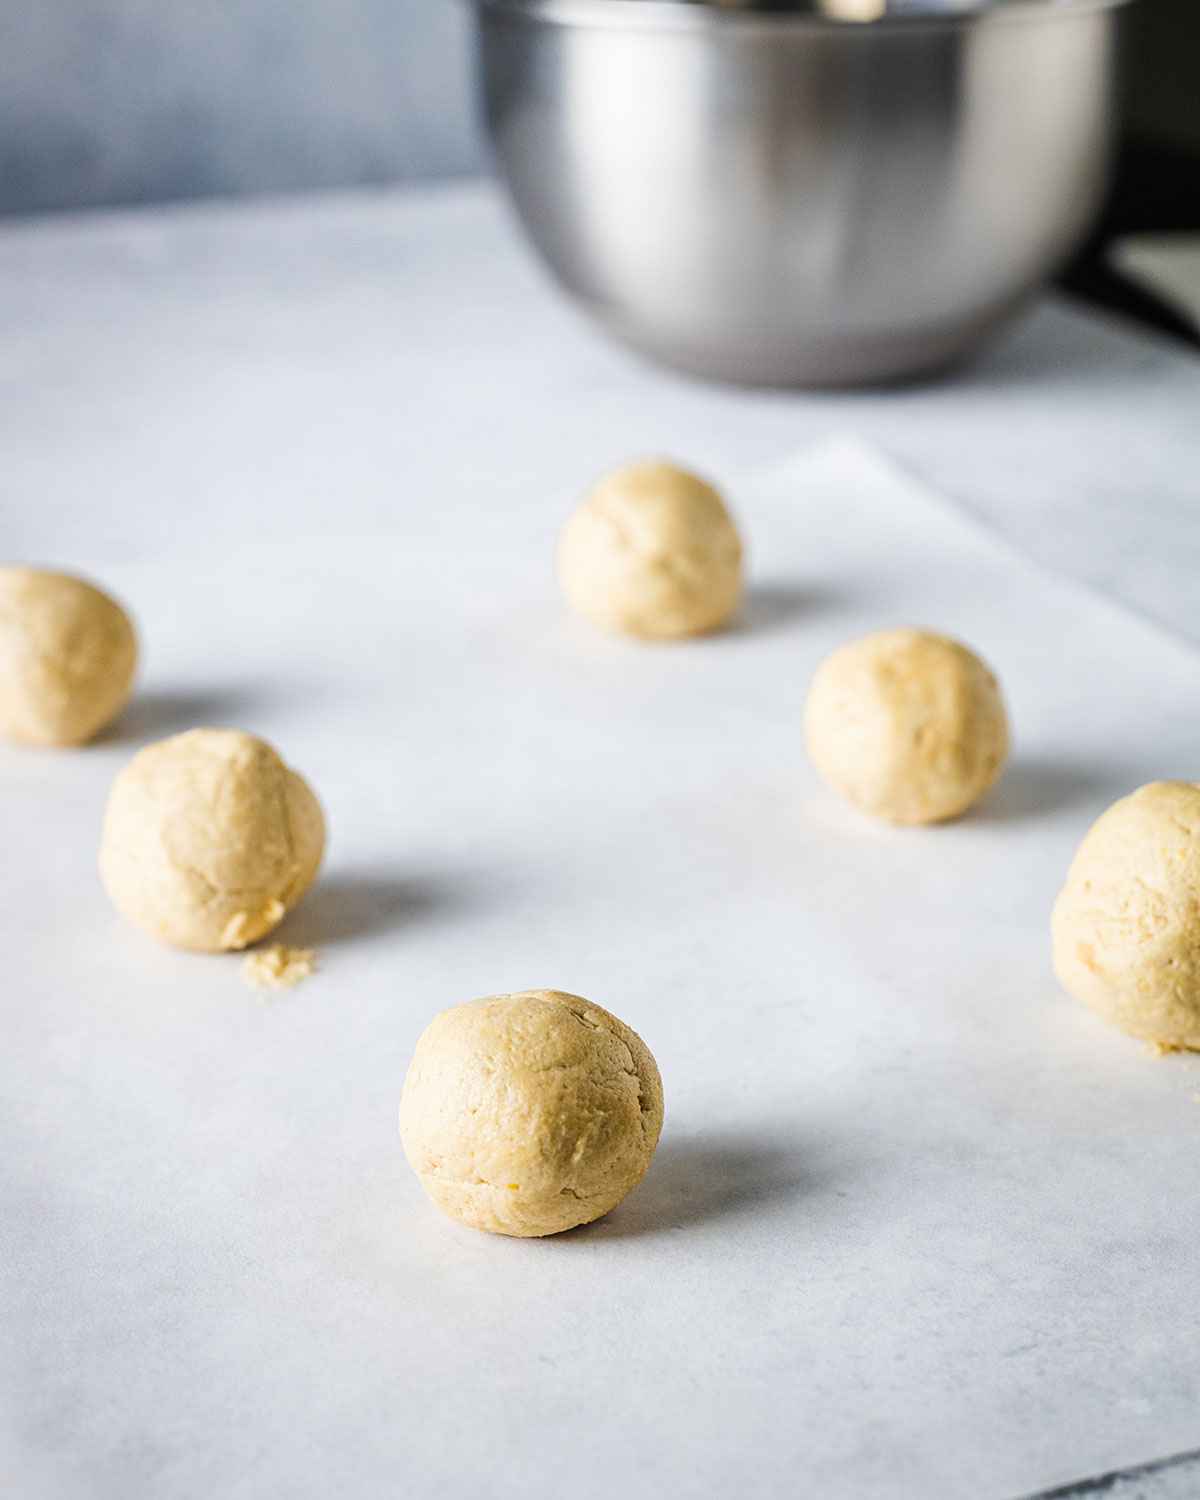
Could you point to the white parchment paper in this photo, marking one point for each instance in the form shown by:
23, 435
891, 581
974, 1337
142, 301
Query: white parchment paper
918, 1226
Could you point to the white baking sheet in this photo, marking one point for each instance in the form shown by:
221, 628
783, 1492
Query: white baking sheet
918, 1226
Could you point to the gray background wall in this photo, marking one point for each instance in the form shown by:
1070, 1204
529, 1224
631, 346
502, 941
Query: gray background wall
117, 101
106, 101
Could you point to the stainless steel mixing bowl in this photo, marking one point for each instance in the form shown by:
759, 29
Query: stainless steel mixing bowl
782, 197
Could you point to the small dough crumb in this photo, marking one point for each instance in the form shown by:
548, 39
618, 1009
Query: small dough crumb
278, 967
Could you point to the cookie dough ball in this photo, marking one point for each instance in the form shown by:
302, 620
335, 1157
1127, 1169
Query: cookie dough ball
67, 658
908, 725
528, 1114
209, 839
1126, 924
652, 552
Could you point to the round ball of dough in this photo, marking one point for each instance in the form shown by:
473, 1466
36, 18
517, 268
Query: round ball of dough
652, 552
1126, 924
209, 839
67, 657
908, 725
528, 1114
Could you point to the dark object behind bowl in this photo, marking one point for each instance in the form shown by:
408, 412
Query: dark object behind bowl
1156, 190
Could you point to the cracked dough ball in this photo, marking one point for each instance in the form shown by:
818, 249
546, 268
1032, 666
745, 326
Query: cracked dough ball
652, 552
67, 658
907, 725
209, 839
528, 1114
1126, 924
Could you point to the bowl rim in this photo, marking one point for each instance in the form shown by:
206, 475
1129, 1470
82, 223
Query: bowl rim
698, 15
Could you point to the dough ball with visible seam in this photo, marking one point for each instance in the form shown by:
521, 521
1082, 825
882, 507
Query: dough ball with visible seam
1126, 925
908, 725
652, 552
209, 839
530, 1113
68, 654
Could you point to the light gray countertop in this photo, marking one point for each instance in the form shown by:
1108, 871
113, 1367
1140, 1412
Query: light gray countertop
919, 1226
131, 343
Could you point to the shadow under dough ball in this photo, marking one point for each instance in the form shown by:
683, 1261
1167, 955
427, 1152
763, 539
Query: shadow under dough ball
530, 1113
1126, 925
68, 654
209, 839
908, 725
652, 552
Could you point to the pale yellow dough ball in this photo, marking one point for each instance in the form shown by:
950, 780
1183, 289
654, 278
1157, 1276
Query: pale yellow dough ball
67, 657
908, 725
209, 839
528, 1114
1126, 925
652, 552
